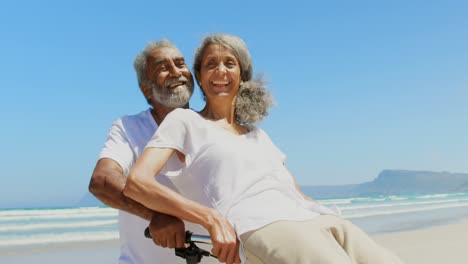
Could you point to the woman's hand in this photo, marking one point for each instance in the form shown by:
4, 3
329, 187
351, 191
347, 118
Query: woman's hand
224, 239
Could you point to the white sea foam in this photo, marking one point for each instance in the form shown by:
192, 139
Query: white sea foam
397, 198
69, 211
458, 194
440, 195
30, 227
369, 199
57, 238
19, 215
345, 201
389, 205
351, 200
358, 199
432, 196
410, 210
335, 201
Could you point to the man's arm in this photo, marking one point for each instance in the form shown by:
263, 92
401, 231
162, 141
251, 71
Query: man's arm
107, 183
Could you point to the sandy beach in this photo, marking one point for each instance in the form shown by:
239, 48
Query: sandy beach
433, 245
446, 244
70, 253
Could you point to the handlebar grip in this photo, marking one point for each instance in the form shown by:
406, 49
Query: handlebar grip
147, 233
189, 237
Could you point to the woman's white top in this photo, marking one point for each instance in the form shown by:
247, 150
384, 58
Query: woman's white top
242, 176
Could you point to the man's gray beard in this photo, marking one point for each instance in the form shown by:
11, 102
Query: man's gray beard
173, 98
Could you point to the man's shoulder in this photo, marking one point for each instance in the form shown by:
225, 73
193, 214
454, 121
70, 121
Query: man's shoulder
135, 123
137, 119
140, 116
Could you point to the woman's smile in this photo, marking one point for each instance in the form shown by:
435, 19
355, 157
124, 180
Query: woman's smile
220, 71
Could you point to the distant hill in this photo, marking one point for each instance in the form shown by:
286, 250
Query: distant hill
396, 182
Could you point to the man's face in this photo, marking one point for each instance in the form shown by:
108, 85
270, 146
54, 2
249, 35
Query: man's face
169, 79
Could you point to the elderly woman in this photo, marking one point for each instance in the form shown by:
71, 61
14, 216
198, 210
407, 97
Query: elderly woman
236, 184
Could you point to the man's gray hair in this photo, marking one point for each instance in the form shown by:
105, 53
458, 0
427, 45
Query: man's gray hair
253, 99
140, 61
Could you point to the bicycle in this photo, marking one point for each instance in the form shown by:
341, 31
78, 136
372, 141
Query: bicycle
192, 254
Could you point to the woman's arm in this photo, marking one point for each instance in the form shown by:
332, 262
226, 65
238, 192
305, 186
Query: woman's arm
142, 188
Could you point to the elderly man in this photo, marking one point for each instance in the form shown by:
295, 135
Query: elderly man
166, 83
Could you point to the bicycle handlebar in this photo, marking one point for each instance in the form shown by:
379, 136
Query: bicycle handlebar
197, 238
189, 237
192, 254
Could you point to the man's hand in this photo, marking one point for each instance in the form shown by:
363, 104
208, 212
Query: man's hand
167, 231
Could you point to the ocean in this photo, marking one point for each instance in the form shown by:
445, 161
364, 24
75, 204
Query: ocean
377, 214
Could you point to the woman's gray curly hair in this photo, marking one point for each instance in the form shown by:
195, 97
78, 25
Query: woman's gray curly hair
253, 99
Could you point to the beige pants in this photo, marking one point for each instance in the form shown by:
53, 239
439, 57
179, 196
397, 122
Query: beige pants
324, 240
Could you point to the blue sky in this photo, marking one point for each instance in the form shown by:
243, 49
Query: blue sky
361, 86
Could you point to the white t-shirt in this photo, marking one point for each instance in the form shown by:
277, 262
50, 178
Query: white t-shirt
126, 140
243, 177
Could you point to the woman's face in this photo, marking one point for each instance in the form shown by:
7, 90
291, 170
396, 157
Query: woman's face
219, 72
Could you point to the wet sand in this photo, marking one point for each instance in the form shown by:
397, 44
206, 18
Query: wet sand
431, 245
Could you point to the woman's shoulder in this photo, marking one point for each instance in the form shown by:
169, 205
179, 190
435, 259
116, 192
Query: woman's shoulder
261, 134
181, 115
258, 131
